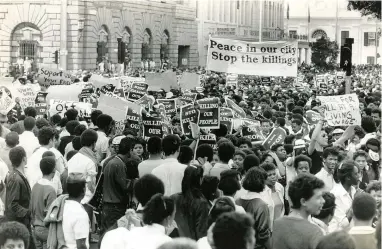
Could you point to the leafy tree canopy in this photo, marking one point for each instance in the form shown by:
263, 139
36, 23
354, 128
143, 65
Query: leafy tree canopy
367, 8
324, 53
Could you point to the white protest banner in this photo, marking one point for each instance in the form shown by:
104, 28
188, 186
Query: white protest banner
58, 106
341, 110
271, 58
127, 81
166, 81
209, 115
116, 108
188, 114
152, 126
67, 93
231, 80
189, 80
169, 106
136, 91
50, 77
238, 111
187, 98
226, 116
26, 94
277, 136
40, 103
6, 100
99, 81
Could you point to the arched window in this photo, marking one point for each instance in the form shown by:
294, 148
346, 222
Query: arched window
102, 48
146, 45
165, 45
317, 34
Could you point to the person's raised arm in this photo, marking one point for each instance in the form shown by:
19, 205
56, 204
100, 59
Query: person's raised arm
349, 132
316, 133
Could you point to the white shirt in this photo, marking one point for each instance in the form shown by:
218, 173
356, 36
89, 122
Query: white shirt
64, 133
115, 239
327, 178
147, 166
75, 224
29, 142
80, 163
33, 171
3, 174
171, 173
238, 208
102, 145
343, 203
147, 237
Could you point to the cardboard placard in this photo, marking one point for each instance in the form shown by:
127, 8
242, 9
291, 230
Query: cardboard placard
277, 136
105, 89
166, 81
312, 117
226, 118
99, 81
169, 106
341, 110
127, 81
58, 106
189, 80
340, 76
116, 108
270, 58
50, 77
251, 129
134, 116
207, 139
26, 95
40, 104
67, 92
209, 114
321, 81
146, 102
152, 126
231, 80
266, 81
137, 91
119, 92
187, 98
6, 100
238, 111
188, 114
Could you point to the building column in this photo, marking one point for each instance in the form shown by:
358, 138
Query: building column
299, 55
64, 35
306, 55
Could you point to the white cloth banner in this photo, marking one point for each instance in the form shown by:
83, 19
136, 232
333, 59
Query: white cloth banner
341, 110
271, 58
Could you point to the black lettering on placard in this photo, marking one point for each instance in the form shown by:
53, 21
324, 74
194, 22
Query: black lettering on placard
209, 116
152, 126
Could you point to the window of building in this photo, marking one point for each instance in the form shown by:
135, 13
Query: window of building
293, 34
369, 39
370, 60
344, 35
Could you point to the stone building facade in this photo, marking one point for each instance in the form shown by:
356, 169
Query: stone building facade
152, 29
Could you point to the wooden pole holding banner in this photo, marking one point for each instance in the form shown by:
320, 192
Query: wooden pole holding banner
347, 84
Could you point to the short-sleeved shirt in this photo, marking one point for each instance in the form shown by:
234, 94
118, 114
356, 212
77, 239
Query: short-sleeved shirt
75, 224
102, 145
316, 157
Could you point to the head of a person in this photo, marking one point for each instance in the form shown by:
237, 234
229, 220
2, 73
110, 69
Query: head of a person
296, 125
105, 123
71, 125
364, 207
146, 187
270, 169
18, 157
221, 132
55, 119
89, 138
229, 182
30, 112
154, 145
368, 124
250, 161
76, 185
71, 114
94, 116
242, 238
48, 166
14, 235
221, 205
376, 114
125, 146
327, 212
244, 143
139, 146
46, 136
347, 173
71, 154
29, 123
132, 167
322, 138
12, 139
254, 180
336, 240
185, 155
171, 145
79, 129
266, 125
302, 164
192, 180
280, 151
159, 210
360, 158
226, 150
305, 193
238, 158
205, 151
330, 158
375, 190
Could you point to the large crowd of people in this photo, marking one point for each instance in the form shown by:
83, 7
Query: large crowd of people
74, 182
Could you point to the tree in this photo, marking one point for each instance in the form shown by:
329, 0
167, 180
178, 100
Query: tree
324, 53
367, 8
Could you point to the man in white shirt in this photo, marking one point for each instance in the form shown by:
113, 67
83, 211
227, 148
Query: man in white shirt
27, 65
154, 147
105, 124
75, 221
27, 139
171, 172
330, 160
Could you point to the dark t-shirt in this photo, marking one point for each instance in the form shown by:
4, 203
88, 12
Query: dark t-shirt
316, 157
